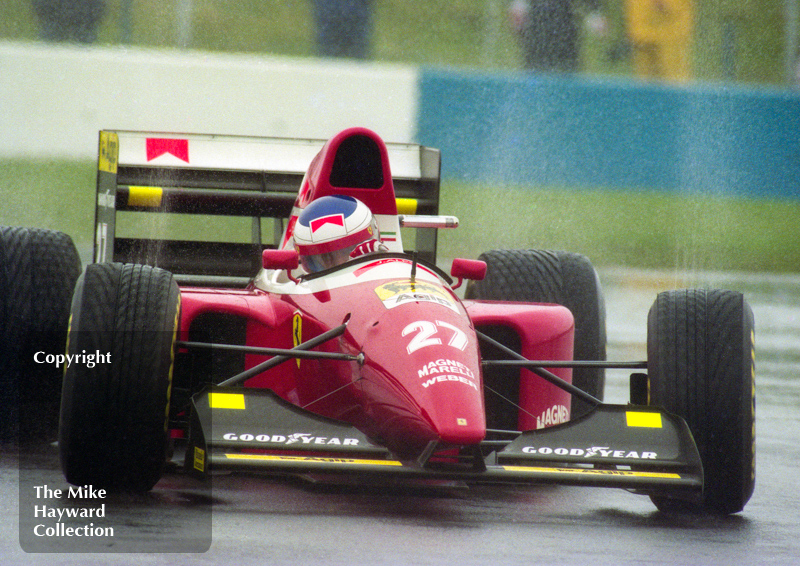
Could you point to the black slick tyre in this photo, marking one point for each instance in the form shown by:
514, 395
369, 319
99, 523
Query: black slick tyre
38, 270
113, 426
701, 367
558, 277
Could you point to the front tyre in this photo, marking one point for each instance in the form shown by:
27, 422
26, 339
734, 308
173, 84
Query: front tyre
114, 410
564, 278
701, 365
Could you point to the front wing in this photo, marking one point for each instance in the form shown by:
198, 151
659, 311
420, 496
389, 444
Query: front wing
641, 448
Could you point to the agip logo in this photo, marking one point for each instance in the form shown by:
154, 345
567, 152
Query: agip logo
396, 293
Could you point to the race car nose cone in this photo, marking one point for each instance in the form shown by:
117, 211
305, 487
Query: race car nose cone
459, 424
408, 416
422, 381
449, 391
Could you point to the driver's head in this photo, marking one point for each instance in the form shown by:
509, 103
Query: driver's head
329, 228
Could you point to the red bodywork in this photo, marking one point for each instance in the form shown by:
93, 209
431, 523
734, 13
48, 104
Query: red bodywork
421, 379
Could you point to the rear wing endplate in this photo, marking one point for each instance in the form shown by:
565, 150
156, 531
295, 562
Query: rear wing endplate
225, 176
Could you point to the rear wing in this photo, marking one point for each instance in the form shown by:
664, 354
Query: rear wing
206, 177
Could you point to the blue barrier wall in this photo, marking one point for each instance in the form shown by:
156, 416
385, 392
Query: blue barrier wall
530, 129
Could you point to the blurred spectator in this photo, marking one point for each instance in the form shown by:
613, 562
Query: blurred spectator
661, 35
344, 28
69, 20
549, 31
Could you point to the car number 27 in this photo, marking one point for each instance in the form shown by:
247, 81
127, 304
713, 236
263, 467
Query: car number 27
426, 333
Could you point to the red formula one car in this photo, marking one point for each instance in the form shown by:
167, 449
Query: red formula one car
374, 366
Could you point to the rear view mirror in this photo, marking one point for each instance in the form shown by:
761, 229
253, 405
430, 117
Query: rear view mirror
280, 259
472, 269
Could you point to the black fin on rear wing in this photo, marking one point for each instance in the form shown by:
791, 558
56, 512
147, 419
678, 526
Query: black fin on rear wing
218, 176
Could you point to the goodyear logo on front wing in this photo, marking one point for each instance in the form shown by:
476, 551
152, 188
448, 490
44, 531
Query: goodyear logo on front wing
396, 293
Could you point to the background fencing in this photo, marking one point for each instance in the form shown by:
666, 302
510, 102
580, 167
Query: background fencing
509, 128
574, 131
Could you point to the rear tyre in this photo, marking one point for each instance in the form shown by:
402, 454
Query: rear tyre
38, 270
563, 278
113, 427
701, 365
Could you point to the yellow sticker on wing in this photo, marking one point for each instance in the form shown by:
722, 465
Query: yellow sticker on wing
643, 420
199, 459
226, 401
108, 154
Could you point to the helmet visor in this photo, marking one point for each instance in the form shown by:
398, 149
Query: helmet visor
319, 262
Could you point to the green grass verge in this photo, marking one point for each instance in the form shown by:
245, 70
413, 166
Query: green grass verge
612, 227
57, 195
633, 228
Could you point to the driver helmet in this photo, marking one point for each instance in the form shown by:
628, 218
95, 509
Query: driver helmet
330, 228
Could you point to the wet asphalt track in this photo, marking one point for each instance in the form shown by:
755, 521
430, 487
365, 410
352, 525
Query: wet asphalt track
256, 520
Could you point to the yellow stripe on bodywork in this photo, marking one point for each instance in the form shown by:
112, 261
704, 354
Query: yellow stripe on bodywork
226, 401
149, 197
297, 332
591, 472
643, 420
312, 459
